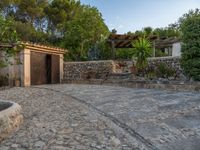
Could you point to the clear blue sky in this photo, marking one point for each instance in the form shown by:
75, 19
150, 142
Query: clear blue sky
131, 15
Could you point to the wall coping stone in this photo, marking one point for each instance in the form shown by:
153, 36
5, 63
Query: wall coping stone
164, 58
98, 61
83, 62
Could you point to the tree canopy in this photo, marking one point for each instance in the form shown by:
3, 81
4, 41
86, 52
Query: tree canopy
170, 31
8, 36
63, 23
84, 31
67, 24
189, 25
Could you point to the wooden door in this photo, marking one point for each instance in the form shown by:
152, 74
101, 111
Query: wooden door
55, 69
45, 68
38, 68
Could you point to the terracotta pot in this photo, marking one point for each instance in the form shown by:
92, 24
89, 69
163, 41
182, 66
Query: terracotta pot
17, 83
133, 70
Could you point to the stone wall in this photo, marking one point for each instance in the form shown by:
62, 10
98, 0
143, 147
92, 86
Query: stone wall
13, 70
118, 73
106, 69
87, 70
153, 63
171, 62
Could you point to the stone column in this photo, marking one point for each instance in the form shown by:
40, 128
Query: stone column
113, 50
26, 80
61, 67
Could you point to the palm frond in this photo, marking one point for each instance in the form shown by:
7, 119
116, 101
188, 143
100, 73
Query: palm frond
142, 49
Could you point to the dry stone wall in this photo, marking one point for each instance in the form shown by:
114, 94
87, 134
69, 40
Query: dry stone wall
171, 62
105, 69
87, 70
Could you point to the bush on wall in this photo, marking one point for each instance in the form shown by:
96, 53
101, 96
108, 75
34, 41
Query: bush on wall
163, 71
190, 28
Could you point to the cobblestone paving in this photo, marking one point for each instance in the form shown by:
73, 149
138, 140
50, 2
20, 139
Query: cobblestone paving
83, 117
53, 121
168, 120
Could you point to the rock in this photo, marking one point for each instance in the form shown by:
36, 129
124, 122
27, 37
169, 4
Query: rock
66, 131
59, 142
98, 147
93, 145
115, 141
39, 144
4, 148
53, 130
74, 125
58, 148
25, 145
108, 132
14, 145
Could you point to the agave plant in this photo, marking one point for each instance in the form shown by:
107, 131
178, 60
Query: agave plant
142, 49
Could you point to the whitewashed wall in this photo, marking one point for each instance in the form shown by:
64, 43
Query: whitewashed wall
176, 49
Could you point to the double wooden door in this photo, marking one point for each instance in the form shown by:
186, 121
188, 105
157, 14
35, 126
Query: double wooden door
45, 68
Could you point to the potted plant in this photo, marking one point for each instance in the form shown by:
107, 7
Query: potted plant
142, 49
133, 69
17, 82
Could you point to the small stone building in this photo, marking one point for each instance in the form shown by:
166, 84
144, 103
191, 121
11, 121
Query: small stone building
34, 65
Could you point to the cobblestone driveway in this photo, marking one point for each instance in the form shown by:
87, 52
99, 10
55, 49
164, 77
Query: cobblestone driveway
82, 117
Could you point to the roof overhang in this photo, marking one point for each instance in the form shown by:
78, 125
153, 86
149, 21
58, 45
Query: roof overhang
125, 40
43, 48
166, 42
36, 47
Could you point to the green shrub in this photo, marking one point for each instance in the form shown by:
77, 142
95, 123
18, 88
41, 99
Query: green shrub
124, 53
190, 28
163, 71
151, 74
141, 51
2, 64
159, 53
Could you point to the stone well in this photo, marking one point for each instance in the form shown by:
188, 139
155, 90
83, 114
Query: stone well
10, 118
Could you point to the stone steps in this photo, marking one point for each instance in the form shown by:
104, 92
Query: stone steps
120, 76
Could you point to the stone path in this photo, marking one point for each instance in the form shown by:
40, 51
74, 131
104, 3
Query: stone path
84, 117
53, 121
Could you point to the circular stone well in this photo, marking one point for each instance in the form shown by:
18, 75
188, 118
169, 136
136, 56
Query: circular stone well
10, 118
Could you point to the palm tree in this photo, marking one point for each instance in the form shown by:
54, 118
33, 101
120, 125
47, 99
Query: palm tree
142, 49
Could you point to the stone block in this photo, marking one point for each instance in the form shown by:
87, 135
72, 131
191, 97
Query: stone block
10, 118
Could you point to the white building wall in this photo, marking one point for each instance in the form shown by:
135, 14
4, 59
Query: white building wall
176, 49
